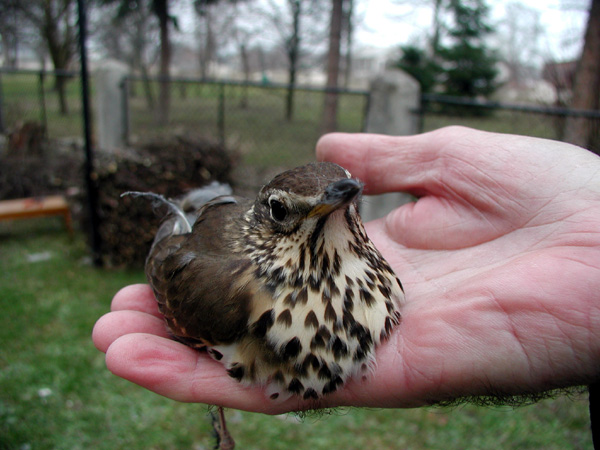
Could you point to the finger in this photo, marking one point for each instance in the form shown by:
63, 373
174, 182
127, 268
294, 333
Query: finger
418, 164
113, 325
447, 168
137, 297
178, 372
379, 161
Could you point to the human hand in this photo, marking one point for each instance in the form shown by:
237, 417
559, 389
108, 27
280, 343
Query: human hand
500, 260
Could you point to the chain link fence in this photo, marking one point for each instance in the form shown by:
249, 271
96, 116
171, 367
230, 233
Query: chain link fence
529, 120
251, 118
32, 96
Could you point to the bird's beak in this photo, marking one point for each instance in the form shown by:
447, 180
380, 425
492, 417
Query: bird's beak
336, 195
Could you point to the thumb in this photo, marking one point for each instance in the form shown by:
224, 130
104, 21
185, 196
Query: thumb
382, 162
431, 166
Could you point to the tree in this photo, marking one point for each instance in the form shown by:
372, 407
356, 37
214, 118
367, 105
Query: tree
519, 36
438, 9
333, 66
586, 88
416, 62
469, 65
207, 51
160, 8
55, 22
58, 23
292, 25
130, 38
348, 32
219, 24
10, 35
292, 48
456, 60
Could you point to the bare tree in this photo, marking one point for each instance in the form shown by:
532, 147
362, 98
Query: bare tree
218, 25
205, 31
292, 47
160, 8
11, 24
131, 39
244, 34
55, 22
333, 67
438, 25
586, 88
293, 27
519, 35
348, 35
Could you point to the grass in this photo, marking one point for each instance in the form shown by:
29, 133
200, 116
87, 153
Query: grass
55, 392
259, 131
526, 124
25, 96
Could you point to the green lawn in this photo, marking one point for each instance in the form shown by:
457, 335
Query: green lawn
259, 131
513, 122
55, 392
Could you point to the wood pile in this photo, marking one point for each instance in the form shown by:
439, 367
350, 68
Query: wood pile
32, 166
170, 168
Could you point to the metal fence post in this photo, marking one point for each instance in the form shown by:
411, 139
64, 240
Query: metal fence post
44, 117
92, 188
2, 124
363, 126
221, 114
125, 109
393, 99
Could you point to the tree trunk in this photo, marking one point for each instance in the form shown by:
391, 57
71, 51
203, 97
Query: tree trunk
586, 88
349, 24
150, 103
164, 96
60, 84
246, 69
333, 67
207, 52
437, 29
61, 44
293, 52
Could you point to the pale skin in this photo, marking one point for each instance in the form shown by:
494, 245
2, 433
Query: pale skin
499, 258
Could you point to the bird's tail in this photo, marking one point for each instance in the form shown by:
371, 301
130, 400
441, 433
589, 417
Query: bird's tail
180, 225
184, 211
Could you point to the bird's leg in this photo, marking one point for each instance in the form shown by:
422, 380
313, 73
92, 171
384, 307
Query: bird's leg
224, 439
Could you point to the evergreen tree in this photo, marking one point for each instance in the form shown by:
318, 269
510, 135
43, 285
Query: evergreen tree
469, 65
420, 66
458, 61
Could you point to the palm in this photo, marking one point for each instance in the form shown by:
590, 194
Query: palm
500, 263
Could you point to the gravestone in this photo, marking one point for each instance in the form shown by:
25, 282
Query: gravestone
393, 110
111, 117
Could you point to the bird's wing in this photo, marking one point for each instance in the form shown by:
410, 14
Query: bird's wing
199, 281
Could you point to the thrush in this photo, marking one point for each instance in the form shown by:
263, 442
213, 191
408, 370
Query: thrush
287, 291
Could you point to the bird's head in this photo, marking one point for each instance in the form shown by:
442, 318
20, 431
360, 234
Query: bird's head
304, 196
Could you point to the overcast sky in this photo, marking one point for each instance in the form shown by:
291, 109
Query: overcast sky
389, 23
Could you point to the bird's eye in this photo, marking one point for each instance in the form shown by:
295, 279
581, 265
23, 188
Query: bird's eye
278, 210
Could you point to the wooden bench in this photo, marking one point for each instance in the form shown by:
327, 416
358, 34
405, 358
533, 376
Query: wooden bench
23, 208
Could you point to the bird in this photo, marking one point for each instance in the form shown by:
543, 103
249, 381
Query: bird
287, 291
